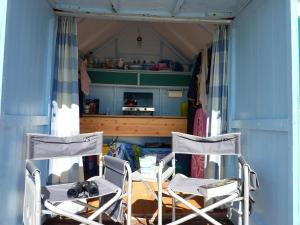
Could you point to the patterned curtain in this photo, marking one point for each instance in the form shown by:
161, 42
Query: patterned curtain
65, 109
218, 93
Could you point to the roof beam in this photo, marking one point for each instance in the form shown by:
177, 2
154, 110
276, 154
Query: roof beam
140, 18
177, 7
205, 29
115, 5
110, 39
242, 6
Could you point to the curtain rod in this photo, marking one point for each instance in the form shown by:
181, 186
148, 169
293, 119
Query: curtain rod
141, 18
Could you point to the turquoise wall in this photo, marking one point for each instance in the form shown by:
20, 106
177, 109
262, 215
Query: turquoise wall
25, 94
263, 84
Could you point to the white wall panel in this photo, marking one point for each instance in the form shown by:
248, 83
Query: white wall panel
186, 39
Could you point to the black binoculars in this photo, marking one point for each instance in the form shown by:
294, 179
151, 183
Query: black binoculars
83, 189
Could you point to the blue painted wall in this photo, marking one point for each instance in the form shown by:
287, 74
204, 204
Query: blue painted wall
3, 7
111, 99
261, 104
26, 83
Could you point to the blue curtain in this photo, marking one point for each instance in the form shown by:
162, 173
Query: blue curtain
218, 88
218, 95
65, 109
65, 84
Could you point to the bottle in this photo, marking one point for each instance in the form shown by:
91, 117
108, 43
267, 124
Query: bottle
120, 63
184, 109
90, 60
86, 108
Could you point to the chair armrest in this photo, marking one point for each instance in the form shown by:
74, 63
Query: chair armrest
166, 159
162, 163
129, 192
31, 168
242, 161
248, 171
33, 178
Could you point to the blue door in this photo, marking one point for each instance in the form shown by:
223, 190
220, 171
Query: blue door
264, 104
26, 43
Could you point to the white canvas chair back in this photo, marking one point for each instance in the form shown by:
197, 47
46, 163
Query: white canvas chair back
111, 186
43, 146
226, 144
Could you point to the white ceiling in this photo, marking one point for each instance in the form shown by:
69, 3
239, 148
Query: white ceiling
188, 39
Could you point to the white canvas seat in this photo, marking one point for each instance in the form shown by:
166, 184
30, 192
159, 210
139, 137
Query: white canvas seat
58, 193
110, 184
233, 195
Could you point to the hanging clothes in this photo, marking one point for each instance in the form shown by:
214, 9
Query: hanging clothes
84, 82
201, 98
218, 94
192, 93
198, 161
192, 98
199, 102
84, 77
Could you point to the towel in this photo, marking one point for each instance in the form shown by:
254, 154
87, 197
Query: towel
84, 77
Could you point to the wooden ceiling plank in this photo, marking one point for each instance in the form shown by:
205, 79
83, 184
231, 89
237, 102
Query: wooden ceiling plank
115, 5
174, 49
177, 7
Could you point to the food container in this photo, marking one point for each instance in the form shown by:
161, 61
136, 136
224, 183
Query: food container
135, 67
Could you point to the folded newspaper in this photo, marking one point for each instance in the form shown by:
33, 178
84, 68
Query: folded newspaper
219, 187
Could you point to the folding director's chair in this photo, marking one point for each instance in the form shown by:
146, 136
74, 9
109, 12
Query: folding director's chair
228, 195
39, 200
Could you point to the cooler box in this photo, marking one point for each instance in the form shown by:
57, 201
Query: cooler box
182, 161
159, 152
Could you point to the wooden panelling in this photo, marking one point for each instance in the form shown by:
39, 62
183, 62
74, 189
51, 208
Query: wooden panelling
133, 126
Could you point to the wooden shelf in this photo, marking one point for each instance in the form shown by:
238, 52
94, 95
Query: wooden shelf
133, 126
